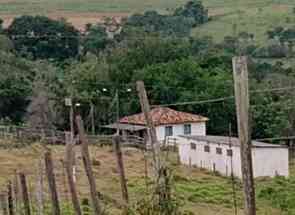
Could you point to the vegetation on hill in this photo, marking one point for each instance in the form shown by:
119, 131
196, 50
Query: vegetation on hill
153, 47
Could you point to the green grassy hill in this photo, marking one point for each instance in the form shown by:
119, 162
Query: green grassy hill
253, 16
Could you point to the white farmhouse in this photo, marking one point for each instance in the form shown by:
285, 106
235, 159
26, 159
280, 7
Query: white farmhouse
222, 154
168, 123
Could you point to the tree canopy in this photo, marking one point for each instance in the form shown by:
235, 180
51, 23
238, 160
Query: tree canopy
43, 38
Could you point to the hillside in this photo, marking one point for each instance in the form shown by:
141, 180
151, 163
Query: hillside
253, 16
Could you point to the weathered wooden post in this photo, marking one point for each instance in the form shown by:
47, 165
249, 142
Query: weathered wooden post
16, 191
242, 105
155, 145
87, 166
10, 198
39, 188
51, 182
160, 169
25, 194
121, 170
69, 158
3, 203
64, 180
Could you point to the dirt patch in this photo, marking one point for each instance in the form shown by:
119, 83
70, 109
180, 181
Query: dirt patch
281, 7
79, 20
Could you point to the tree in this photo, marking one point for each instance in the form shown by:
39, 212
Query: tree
5, 43
185, 81
44, 38
135, 54
86, 82
193, 9
165, 25
43, 111
96, 39
273, 112
15, 86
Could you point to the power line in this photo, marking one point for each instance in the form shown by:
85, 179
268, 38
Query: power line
222, 98
196, 102
276, 138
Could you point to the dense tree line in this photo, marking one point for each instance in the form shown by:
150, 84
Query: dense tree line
42, 61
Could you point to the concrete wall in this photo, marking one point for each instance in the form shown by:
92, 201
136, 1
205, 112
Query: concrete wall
270, 161
178, 129
266, 161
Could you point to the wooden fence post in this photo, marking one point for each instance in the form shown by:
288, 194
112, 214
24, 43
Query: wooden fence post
51, 182
3, 202
10, 198
25, 194
87, 166
39, 188
155, 145
242, 105
64, 180
69, 158
120, 163
16, 192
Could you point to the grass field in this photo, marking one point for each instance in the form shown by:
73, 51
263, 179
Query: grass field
202, 192
256, 19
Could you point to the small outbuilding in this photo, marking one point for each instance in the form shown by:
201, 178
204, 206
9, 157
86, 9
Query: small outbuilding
222, 154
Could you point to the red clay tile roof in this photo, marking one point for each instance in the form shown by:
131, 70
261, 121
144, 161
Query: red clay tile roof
164, 116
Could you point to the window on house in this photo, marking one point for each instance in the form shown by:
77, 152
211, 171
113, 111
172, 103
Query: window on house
187, 129
219, 151
229, 152
168, 131
207, 148
193, 146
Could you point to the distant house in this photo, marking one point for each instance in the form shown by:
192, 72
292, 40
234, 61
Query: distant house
168, 123
222, 154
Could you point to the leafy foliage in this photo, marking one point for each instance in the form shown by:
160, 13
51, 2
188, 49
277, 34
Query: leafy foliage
193, 9
15, 85
44, 38
96, 39
166, 25
186, 80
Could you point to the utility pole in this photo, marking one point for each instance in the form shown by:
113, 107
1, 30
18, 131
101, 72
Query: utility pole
242, 106
72, 118
232, 171
145, 107
92, 118
69, 103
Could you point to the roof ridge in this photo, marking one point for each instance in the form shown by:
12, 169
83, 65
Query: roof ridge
171, 117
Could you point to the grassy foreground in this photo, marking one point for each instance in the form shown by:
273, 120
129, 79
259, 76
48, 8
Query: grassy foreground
200, 192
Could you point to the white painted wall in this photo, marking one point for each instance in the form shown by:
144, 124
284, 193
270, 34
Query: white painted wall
270, 161
266, 161
178, 129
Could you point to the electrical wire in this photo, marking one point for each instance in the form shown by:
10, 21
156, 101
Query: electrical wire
223, 98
